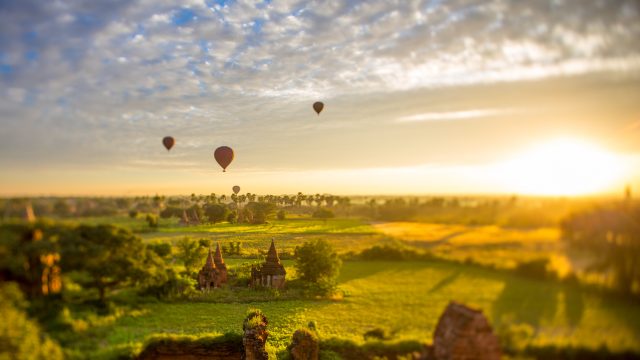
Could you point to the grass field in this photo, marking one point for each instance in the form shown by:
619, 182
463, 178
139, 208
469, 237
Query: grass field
489, 245
403, 298
406, 299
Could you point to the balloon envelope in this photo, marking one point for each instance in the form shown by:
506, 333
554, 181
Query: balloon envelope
168, 142
318, 106
236, 189
224, 156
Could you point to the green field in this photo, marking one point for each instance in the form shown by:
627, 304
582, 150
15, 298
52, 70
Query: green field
406, 299
403, 298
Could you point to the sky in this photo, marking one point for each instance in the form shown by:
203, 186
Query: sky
421, 97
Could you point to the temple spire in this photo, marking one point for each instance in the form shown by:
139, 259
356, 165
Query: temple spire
272, 255
218, 257
210, 264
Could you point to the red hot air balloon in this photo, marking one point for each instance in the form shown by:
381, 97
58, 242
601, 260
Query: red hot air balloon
318, 106
224, 156
236, 189
168, 142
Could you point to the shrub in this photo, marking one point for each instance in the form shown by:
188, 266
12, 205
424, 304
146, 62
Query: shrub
133, 213
255, 319
162, 249
20, 337
317, 262
281, 215
323, 213
152, 220
376, 334
538, 269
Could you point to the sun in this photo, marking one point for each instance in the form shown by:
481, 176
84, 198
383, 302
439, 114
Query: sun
562, 167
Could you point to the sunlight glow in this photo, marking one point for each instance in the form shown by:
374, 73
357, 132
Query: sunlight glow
562, 167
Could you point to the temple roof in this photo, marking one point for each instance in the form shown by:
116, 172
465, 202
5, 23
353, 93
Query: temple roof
218, 257
272, 255
272, 266
210, 264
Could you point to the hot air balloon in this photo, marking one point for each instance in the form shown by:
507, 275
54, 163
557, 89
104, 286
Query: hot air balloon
236, 189
224, 156
318, 106
168, 142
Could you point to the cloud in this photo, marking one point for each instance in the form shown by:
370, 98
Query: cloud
455, 115
111, 79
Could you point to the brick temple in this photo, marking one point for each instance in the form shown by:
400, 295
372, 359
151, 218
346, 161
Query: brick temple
214, 272
271, 273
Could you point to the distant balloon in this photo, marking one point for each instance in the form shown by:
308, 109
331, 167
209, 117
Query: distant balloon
168, 142
236, 189
224, 156
318, 106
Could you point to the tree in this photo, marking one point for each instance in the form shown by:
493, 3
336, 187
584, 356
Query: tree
317, 262
260, 211
152, 220
281, 214
21, 337
106, 255
61, 208
216, 212
191, 254
612, 237
322, 213
231, 218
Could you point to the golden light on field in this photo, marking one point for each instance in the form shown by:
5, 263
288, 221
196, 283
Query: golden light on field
563, 167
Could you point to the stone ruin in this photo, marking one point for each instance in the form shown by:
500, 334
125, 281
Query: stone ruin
255, 336
304, 345
463, 333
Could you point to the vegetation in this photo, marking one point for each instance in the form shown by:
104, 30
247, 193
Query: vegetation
21, 337
317, 263
611, 235
395, 280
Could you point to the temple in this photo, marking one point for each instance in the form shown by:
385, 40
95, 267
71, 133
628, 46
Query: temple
271, 273
214, 272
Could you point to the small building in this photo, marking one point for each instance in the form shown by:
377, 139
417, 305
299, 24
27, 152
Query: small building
214, 272
269, 274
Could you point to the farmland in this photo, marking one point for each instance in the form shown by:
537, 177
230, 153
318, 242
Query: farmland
404, 298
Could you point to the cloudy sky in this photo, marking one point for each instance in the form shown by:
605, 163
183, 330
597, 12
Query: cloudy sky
420, 96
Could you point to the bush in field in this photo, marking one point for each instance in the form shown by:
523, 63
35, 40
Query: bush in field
281, 215
538, 268
133, 213
191, 253
323, 213
216, 212
376, 334
317, 263
389, 252
20, 337
175, 287
152, 220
